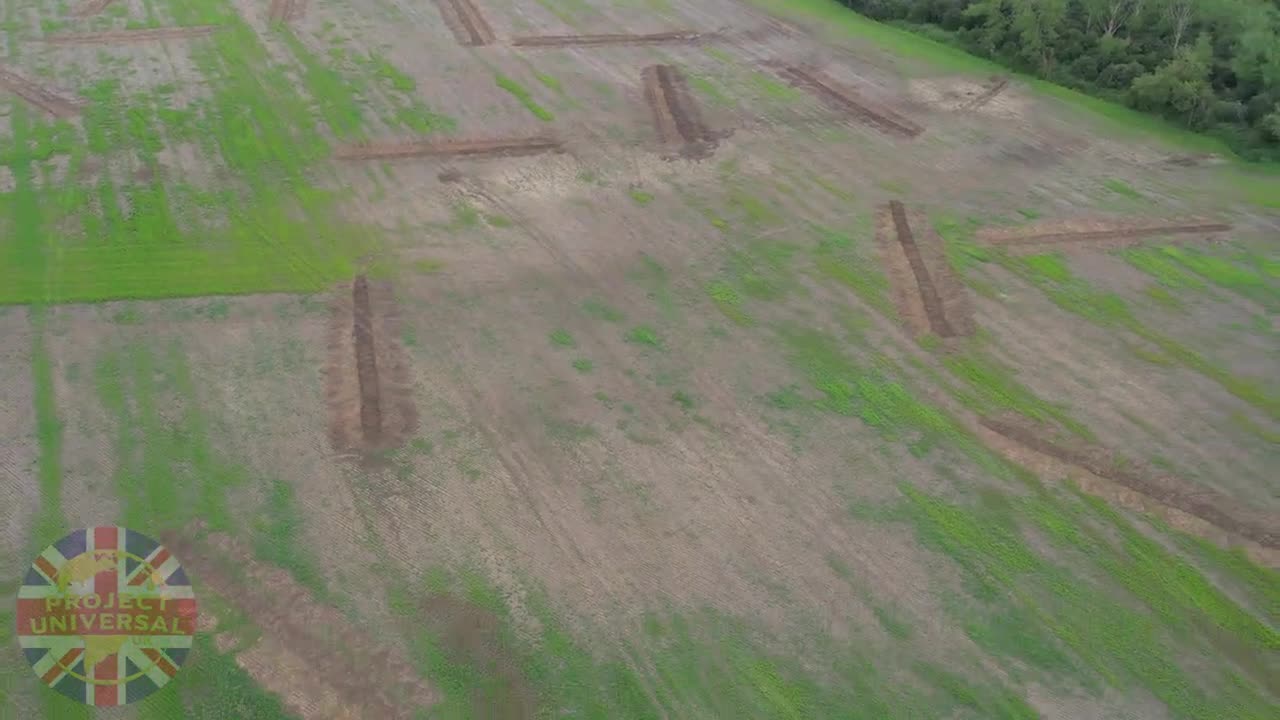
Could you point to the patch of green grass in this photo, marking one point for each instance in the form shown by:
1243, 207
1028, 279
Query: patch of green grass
701, 664
1121, 187
640, 197
709, 90
1030, 610
1030, 214
278, 537
210, 684
391, 75
522, 94
1107, 309
550, 81
583, 365
684, 400
569, 430
465, 216
498, 221
602, 311
993, 388
427, 266
729, 302
835, 257
561, 338
644, 335
771, 88
50, 522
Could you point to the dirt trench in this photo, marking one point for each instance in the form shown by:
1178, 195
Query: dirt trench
283, 11
676, 115
368, 381
493, 147
1208, 505
997, 86
849, 101
929, 296
466, 22
1093, 233
90, 8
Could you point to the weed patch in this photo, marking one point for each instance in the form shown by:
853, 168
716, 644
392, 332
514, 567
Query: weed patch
522, 94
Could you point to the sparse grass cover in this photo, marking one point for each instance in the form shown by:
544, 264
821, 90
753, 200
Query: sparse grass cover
1052, 276
1045, 588
277, 233
522, 94
1121, 187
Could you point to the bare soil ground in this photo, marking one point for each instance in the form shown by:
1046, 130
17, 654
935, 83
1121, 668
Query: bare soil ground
489, 147
19, 501
676, 115
466, 21
111, 37
287, 10
1096, 233
848, 100
55, 104
336, 654
371, 405
90, 8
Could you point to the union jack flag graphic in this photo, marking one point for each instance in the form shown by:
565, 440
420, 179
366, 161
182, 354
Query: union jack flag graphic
106, 616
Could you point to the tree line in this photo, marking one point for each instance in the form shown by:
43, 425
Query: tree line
1211, 65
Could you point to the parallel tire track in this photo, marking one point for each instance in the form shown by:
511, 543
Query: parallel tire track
47, 100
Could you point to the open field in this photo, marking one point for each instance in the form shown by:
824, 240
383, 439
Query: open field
634, 359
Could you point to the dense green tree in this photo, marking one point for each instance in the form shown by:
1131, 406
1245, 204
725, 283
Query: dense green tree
1213, 65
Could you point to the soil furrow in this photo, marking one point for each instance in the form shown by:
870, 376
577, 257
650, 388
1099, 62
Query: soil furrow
1208, 505
987, 95
497, 147
674, 37
47, 100
90, 8
366, 362
131, 36
278, 11
466, 22
847, 100
675, 113
928, 291
1122, 233
369, 383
